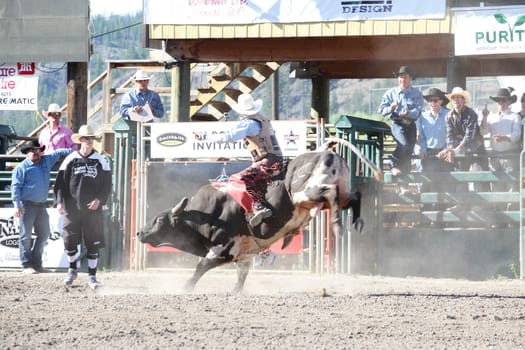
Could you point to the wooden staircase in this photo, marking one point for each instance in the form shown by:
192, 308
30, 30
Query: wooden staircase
225, 83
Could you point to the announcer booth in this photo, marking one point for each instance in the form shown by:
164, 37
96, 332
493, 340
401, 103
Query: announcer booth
174, 163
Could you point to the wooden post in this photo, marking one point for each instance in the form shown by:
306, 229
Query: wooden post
320, 99
180, 93
77, 77
275, 95
456, 73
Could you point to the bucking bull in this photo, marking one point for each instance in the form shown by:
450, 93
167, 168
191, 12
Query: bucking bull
212, 225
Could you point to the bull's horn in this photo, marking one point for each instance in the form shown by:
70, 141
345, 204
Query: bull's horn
180, 206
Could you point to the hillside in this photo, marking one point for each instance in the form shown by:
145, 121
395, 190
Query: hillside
119, 37
113, 37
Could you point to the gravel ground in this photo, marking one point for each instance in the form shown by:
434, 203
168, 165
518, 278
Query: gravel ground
278, 310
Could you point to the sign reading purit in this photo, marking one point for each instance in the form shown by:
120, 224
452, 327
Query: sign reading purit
490, 30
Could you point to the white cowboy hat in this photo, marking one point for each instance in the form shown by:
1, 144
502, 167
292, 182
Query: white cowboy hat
247, 106
141, 75
84, 131
458, 91
53, 108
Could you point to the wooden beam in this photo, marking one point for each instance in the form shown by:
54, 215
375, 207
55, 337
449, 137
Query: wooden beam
404, 47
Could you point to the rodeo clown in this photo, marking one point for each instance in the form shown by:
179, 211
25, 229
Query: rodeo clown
82, 187
264, 150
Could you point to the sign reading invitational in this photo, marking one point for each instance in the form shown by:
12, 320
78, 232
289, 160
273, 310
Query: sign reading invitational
179, 140
286, 11
18, 87
490, 30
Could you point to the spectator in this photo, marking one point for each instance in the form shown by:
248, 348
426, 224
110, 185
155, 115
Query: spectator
264, 150
55, 136
141, 100
522, 111
30, 186
521, 114
432, 131
505, 132
432, 136
83, 186
464, 138
403, 104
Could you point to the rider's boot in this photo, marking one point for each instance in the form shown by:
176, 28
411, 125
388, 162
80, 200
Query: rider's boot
260, 212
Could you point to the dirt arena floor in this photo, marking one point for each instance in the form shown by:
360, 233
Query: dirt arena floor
278, 310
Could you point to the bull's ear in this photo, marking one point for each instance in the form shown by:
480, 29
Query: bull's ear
180, 206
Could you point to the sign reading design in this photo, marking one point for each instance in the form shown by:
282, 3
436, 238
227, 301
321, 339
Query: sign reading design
286, 11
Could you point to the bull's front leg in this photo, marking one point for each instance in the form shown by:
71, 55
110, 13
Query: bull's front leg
242, 272
202, 267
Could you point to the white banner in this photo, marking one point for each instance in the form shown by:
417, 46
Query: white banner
286, 11
177, 140
19, 93
490, 30
53, 257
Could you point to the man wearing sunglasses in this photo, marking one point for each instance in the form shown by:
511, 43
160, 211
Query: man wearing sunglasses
504, 128
432, 137
55, 135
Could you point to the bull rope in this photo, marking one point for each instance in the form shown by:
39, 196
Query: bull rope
378, 174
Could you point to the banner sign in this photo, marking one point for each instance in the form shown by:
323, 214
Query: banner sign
53, 257
18, 87
490, 30
179, 140
286, 11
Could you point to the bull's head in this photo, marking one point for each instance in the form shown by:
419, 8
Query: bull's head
160, 230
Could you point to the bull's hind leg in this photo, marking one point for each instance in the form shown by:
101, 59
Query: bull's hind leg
242, 272
203, 266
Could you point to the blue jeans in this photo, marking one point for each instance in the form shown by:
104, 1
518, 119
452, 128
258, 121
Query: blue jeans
405, 137
33, 215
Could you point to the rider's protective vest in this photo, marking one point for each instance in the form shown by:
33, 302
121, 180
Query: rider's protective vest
263, 143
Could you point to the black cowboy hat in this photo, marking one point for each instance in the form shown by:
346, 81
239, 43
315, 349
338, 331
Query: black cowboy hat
31, 145
406, 70
435, 92
506, 94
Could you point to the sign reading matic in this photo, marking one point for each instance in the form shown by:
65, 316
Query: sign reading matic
490, 30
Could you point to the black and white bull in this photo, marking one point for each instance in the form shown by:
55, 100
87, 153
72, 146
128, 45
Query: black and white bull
213, 225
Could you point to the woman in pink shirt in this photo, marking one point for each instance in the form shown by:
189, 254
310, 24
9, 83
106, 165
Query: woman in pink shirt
55, 136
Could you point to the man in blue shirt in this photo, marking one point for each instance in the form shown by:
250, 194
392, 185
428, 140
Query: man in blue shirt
432, 141
432, 131
140, 96
403, 104
30, 186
